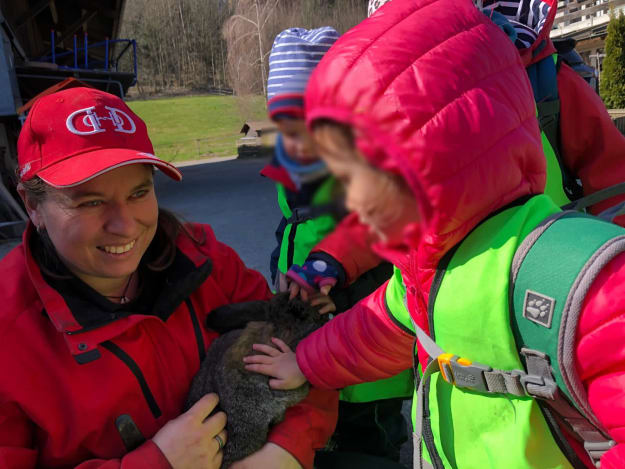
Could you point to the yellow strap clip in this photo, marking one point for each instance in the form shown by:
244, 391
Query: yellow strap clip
444, 363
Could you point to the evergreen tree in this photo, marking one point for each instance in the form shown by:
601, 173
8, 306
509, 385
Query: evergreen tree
612, 84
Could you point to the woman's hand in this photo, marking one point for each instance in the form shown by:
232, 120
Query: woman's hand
270, 456
188, 441
277, 362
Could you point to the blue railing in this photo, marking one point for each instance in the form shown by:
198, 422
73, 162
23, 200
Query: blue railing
82, 61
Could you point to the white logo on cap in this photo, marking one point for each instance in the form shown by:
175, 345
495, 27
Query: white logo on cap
25, 169
92, 121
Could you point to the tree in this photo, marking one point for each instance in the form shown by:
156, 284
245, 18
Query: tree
250, 33
247, 49
612, 83
179, 42
186, 45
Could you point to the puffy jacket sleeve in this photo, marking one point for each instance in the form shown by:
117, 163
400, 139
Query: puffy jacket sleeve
592, 146
600, 354
17, 448
308, 425
350, 245
362, 344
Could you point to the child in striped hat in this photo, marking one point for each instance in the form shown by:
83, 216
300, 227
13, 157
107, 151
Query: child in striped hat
314, 244
302, 178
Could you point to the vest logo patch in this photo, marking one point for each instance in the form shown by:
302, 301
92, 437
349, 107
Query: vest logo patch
538, 308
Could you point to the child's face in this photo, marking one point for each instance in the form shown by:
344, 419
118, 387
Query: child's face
382, 200
297, 141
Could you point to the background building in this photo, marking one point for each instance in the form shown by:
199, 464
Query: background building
586, 21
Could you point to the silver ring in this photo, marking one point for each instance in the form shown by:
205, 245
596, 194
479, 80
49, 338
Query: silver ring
220, 442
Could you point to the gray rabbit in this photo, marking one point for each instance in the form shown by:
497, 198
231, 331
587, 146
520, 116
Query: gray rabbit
251, 405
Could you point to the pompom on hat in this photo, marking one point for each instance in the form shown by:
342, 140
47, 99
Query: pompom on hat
77, 134
294, 55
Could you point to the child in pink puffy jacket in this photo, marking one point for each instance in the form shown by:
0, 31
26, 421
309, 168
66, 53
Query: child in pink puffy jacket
426, 114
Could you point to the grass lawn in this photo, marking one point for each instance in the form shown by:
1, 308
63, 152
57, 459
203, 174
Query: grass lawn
194, 127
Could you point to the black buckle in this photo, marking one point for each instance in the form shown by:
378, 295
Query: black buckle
299, 215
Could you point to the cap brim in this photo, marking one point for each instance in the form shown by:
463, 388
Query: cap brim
81, 168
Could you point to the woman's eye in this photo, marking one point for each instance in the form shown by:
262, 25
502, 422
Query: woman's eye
139, 194
91, 203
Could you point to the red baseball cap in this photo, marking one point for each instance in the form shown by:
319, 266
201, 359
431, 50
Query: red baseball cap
74, 135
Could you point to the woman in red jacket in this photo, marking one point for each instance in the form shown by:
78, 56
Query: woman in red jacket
426, 114
104, 305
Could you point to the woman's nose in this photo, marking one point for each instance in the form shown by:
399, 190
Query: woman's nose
120, 220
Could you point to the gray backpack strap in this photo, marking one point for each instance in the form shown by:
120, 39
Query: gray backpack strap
463, 374
585, 202
551, 274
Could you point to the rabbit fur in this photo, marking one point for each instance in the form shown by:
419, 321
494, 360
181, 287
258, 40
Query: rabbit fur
251, 406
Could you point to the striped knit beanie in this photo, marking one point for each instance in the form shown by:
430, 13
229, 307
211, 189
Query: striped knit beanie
294, 55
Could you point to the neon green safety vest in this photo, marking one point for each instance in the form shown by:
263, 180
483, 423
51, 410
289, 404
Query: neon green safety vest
298, 239
469, 317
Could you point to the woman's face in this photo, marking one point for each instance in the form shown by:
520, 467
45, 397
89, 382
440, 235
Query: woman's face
382, 200
101, 228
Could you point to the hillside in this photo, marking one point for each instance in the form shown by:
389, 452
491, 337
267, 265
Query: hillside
194, 127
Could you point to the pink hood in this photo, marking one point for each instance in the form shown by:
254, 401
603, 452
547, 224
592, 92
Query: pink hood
438, 94
532, 20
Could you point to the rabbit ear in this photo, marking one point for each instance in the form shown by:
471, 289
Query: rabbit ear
237, 315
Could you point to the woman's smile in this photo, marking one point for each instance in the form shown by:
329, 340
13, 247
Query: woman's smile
118, 249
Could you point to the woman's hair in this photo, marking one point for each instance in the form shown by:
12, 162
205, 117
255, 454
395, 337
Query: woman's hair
159, 255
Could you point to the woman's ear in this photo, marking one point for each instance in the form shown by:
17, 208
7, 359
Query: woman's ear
33, 208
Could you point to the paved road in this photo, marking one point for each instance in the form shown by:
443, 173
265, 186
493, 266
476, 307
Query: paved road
240, 205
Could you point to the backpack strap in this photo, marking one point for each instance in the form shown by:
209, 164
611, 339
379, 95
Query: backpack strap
477, 377
543, 76
604, 194
551, 274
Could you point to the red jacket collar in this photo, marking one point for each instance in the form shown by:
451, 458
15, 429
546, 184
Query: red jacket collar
278, 174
